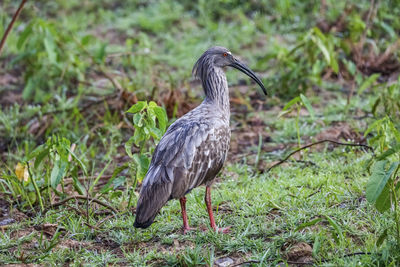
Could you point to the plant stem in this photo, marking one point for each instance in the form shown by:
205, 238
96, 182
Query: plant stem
297, 125
396, 203
39, 196
3, 40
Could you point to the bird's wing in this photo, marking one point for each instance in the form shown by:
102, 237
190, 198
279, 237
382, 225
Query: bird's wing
190, 151
189, 154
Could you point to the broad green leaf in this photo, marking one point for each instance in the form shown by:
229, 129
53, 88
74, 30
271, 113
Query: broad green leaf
138, 119
334, 64
50, 49
153, 104
143, 163
308, 106
40, 157
379, 179
382, 237
322, 47
155, 133
139, 106
161, 117
57, 173
368, 82
291, 103
383, 202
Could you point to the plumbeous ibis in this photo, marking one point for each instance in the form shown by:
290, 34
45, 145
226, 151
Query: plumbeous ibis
194, 148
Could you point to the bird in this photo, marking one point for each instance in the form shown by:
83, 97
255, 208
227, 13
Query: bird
194, 148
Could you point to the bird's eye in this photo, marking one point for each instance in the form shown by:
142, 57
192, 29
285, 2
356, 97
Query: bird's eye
225, 54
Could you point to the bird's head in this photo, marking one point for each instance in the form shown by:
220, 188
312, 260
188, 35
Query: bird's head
218, 56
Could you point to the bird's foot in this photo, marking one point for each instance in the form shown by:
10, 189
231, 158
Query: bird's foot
187, 229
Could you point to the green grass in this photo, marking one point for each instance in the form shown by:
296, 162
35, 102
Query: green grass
55, 82
264, 211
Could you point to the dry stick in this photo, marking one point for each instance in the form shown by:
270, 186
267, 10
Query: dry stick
245, 262
84, 198
3, 40
316, 143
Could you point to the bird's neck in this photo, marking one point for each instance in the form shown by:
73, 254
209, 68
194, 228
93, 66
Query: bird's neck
216, 89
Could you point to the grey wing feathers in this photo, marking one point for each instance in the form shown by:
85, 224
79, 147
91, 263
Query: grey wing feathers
185, 158
153, 198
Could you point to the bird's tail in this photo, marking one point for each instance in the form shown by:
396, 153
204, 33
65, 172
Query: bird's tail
155, 192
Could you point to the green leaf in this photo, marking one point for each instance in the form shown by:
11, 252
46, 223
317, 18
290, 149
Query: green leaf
50, 49
368, 82
40, 157
382, 237
308, 106
143, 163
322, 47
128, 145
334, 64
57, 173
155, 133
383, 202
29, 88
375, 105
117, 171
139, 106
379, 179
78, 160
87, 39
291, 103
389, 152
335, 226
306, 224
98, 178
36, 151
77, 185
24, 35
138, 119
161, 117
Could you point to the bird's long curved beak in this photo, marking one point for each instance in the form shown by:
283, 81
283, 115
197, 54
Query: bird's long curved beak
243, 68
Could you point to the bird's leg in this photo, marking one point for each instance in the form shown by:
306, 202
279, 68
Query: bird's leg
186, 227
207, 199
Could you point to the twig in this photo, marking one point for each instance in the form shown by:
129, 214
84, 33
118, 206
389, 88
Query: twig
105, 219
92, 226
3, 40
316, 143
92, 199
317, 191
245, 262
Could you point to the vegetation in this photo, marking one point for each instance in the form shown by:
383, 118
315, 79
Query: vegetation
87, 88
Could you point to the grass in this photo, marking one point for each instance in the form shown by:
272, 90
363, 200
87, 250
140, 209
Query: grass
264, 211
81, 64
